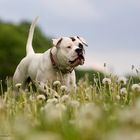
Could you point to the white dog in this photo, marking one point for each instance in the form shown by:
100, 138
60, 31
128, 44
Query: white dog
57, 63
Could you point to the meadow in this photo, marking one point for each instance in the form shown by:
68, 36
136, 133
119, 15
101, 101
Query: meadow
105, 108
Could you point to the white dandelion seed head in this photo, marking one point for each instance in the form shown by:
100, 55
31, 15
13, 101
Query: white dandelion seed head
53, 94
48, 107
56, 83
122, 80
86, 116
52, 101
89, 111
18, 85
63, 88
41, 97
106, 81
135, 87
53, 114
61, 107
56, 95
123, 91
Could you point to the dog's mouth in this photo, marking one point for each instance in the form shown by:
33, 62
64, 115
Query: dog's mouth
78, 61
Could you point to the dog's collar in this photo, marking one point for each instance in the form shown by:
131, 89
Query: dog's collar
52, 59
64, 70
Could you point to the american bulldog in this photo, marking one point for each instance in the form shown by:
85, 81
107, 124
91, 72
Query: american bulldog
57, 63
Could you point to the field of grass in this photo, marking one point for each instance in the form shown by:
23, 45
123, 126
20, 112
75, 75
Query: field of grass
101, 109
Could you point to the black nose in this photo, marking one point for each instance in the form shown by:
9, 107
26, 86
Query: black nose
79, 50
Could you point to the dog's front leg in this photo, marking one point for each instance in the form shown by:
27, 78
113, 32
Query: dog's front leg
70, 81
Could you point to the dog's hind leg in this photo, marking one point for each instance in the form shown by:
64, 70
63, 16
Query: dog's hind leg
19, 79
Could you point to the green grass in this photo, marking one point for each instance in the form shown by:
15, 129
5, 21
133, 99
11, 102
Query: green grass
100, 109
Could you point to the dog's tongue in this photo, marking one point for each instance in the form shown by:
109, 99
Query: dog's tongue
79, 61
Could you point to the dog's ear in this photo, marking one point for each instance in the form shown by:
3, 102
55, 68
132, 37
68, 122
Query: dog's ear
82, 40
56, 42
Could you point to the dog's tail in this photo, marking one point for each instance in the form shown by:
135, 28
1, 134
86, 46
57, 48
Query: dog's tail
29, 48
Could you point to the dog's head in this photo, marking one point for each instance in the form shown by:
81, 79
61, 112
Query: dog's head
70, 50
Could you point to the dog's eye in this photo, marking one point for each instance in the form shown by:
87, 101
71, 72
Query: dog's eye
69, 47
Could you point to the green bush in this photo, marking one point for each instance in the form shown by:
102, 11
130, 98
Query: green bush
13, 40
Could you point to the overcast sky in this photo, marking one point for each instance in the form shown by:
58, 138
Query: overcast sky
111, 27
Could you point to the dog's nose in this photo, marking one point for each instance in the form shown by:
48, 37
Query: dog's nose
79, 50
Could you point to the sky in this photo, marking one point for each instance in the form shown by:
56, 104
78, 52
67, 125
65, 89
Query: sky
110, 27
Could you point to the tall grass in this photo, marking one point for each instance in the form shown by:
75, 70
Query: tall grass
101, 109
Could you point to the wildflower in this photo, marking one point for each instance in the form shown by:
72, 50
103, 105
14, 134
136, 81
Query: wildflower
123, 91
63, 88
106, 81
122, 80
41, 97
53, 94
56, 83
135, 87
18, 85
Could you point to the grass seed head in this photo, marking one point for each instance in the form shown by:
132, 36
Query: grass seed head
106, 81
41, 97
135, 88
122, 80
